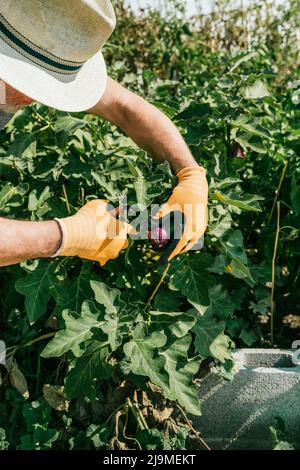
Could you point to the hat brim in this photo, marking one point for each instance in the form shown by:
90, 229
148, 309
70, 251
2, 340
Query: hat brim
73, 93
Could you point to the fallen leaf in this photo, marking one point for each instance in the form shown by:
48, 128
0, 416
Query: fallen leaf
17, 380
55, 396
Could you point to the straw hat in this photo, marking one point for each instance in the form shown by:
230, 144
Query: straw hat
50, 50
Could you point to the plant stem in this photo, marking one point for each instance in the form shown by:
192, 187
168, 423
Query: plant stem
277, 191
66, 198
127, 437
274, 272
30, 343
157, 287
137, 414
111, 415
38, 375
192, 427
39, 338
136, 406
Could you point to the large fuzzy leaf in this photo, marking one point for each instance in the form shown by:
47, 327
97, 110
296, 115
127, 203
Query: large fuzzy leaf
189, 275
178, 323
181, 371
210, 339
248, 202
233, 245
36, 287
116, 326
166, 364
92, 365
142, 352
117, 319
77, 331
69, 294
107, 296
251, 125
221, 303
12, 196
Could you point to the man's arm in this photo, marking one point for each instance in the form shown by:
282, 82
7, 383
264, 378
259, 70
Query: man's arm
147, 126
151, 130
22, 240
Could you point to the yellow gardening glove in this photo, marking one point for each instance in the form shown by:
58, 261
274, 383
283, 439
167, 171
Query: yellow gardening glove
93, 233
190, 197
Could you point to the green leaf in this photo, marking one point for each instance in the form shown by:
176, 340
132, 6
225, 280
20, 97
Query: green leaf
258, 90
219, 265
178, 323
279, 435
167, 301
248, 202
27, 442
210, 339
118, 319
189, 275
24, 146
239, 270
221, 303
69, 294
248, 337
107, 296
68, 124
220, 224
116, 326
80, 381
152, 439
251, 126
36, 413
194, 111
225, 183
179, 441
142, 352
141, 188
36, 287
43, 438
12, 196
80, 442
4, 444
262, 306
252, 142
283, 445
245, 57
99, 435
220, 348
38, 204
233, 246
108, 187
77, 330
181, 371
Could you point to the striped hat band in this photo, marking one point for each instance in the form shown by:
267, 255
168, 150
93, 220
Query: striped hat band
35, 53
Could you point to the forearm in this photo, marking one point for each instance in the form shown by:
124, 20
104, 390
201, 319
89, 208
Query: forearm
22, 240
151, 130
147, 126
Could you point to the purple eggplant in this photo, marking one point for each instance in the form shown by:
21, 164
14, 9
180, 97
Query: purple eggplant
158, 237
237, 151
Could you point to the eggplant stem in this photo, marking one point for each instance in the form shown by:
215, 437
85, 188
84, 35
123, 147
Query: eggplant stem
157, 287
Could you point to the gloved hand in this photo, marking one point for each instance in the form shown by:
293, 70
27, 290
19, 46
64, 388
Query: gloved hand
190, 197
93, 233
